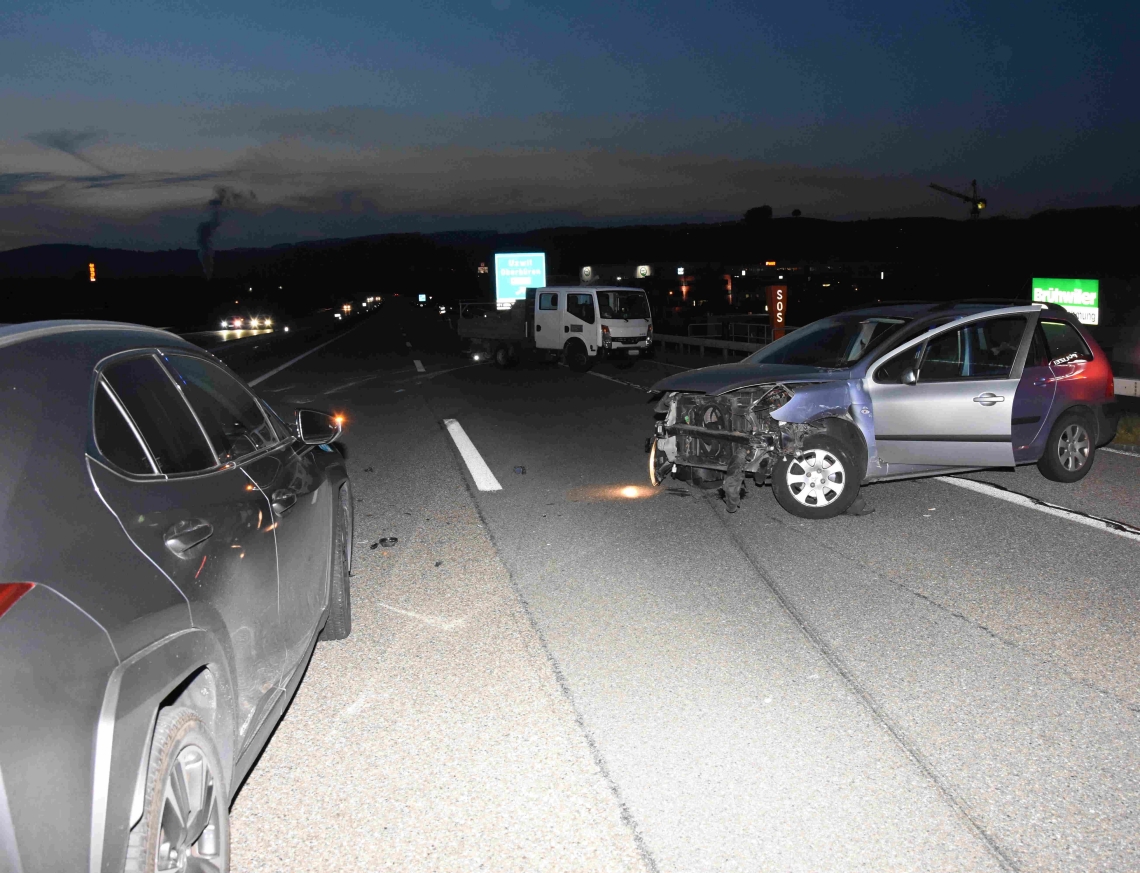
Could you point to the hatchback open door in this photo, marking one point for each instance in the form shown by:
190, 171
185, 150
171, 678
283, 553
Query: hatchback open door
948, 401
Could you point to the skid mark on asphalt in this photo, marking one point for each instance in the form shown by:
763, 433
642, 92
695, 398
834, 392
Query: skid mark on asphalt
433, 620
1107, 525
484, 479
863, 693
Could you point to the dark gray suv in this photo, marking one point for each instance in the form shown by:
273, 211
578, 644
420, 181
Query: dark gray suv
170, 551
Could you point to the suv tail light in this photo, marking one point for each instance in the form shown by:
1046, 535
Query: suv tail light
10, 592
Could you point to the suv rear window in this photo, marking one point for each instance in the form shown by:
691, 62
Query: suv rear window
161, 415
1065, 343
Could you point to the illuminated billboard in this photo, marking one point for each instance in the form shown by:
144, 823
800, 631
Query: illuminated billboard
1079, 296
514, 273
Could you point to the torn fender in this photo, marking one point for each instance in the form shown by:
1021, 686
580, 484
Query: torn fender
810, 402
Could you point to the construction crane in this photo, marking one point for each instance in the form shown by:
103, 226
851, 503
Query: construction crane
977, 204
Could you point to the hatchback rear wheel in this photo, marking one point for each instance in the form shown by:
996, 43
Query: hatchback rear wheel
1070, 449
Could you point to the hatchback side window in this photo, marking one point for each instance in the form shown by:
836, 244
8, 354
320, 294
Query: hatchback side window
230, 415
161, 415
114, 436
1064, 342
581, 306
548, 301
892, 370
980, 350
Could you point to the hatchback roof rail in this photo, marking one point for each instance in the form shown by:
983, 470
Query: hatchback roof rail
996, 301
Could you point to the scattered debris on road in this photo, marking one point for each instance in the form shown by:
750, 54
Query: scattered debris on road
520, 470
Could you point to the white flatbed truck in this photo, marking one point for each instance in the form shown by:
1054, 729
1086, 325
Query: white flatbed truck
577, 324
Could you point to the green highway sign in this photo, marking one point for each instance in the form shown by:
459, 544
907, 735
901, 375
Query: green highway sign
1080, 296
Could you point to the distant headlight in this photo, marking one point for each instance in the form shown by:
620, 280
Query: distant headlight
225, 324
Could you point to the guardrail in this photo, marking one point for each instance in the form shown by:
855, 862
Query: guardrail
700, 343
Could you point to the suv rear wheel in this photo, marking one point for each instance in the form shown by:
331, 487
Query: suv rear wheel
821, 483
185, 824
1070, 449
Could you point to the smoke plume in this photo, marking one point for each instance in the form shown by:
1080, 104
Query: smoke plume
220, 204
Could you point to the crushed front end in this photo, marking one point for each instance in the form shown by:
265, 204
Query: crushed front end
732, 432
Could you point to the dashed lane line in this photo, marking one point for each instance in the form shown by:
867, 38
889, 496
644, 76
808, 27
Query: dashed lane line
1108, 525
484, 479
419, 366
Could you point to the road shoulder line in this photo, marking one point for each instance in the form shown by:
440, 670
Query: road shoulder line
1107, 525
305, 354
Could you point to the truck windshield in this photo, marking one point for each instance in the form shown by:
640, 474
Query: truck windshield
839, 341
623, 304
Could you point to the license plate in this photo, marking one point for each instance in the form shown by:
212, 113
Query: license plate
635, 351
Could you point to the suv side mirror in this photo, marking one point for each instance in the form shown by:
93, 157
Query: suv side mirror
909, 377
317, 428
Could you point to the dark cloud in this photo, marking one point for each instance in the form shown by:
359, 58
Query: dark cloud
70, 142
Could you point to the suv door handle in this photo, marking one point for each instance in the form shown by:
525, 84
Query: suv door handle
988, 399
566, 329
283, 500
186, 534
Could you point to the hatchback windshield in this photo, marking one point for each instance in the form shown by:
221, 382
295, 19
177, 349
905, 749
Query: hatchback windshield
839, 341
623, 304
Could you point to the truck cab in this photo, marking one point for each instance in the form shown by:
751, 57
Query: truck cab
579, 324
585, 323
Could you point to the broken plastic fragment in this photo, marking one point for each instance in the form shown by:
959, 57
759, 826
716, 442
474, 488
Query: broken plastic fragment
389, 541
520, 470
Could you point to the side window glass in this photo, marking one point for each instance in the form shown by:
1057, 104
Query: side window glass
1064, 343
992, 347
581, 306
892, 370
982, 350
115, 438
548, 301
1038, 350
161, 415
231, 416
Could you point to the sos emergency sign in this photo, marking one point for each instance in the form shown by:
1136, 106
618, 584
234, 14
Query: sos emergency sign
777, 308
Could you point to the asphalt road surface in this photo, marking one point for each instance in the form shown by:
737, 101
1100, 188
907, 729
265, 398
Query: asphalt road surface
578, 672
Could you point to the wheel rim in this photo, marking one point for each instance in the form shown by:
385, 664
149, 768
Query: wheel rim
1073, 447
658, 464
817, 479
189, 837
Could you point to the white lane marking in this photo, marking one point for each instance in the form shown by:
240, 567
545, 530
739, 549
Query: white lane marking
1108, 525
433, 620
419, 366
1135, 454
484, 479
353, 384
620, 381
277, 370
409, 345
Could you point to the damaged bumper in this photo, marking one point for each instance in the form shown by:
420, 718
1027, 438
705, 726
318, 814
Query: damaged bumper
710, 431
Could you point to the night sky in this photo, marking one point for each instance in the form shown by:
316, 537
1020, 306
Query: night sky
119, 120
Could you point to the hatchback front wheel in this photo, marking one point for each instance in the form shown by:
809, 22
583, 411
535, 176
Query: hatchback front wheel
821, 483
